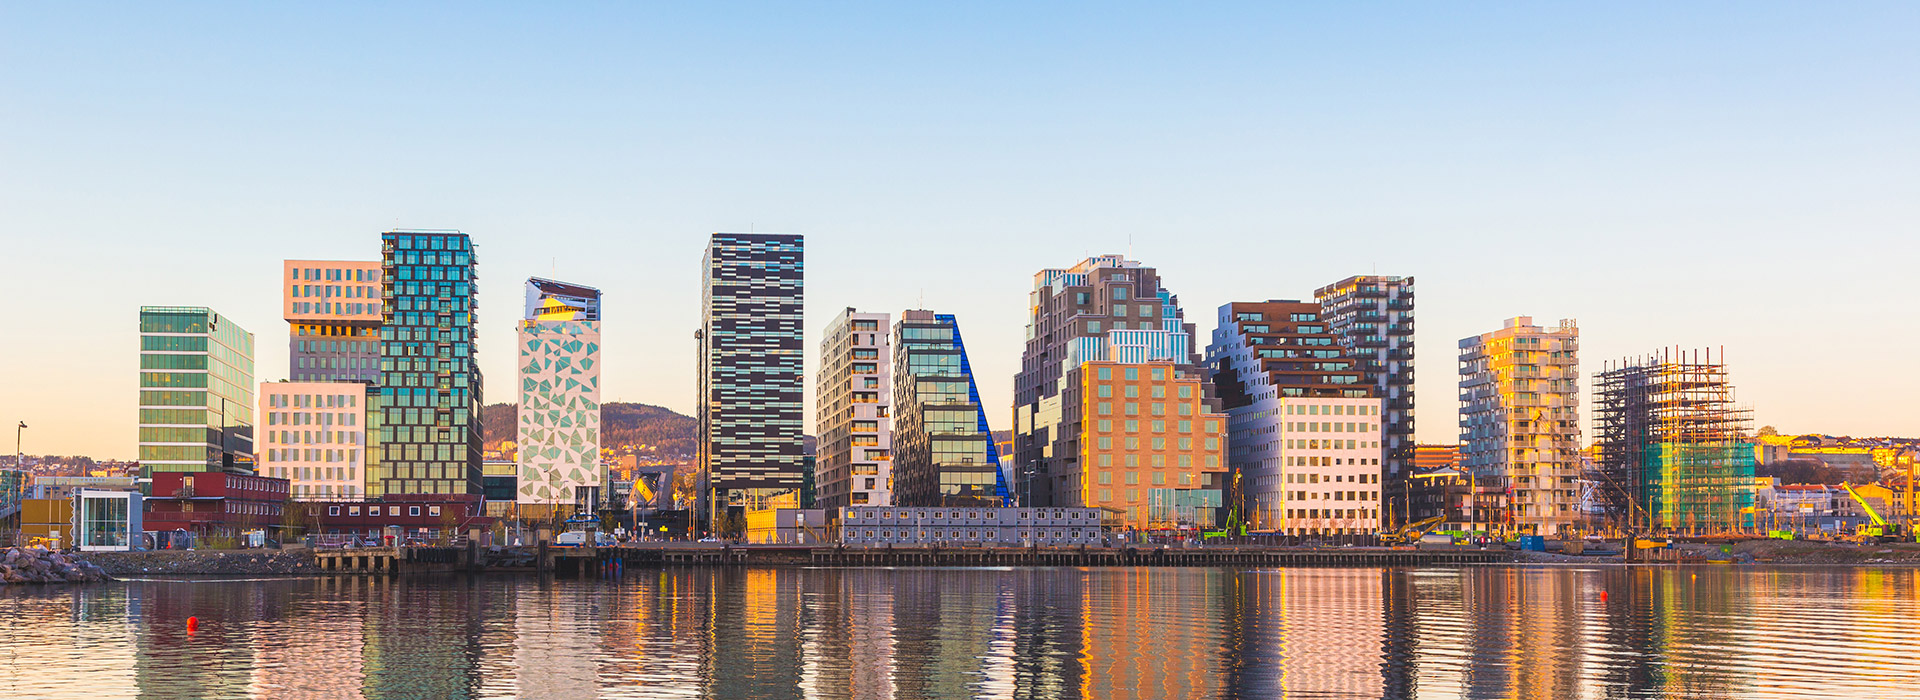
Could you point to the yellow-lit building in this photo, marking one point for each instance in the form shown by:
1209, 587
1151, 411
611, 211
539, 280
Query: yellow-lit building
1149, 449
1520, 421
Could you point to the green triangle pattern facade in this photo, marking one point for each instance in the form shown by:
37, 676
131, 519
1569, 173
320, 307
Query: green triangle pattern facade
559, 431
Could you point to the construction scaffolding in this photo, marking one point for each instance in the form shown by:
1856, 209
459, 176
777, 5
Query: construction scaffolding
1673, 454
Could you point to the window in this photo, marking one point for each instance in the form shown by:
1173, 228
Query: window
1119, 293
413, 511
433, 511
333, 511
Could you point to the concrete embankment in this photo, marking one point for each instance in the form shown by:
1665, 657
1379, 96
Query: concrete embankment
40, 565
208, 562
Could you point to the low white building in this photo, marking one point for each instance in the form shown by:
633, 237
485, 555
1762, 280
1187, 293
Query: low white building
954, 526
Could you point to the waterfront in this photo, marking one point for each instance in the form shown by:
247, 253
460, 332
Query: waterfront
1465, 632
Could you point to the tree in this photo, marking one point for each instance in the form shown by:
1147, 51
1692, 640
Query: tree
296, 520
1768, 431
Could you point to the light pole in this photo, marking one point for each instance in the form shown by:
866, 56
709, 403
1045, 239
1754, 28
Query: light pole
19, 457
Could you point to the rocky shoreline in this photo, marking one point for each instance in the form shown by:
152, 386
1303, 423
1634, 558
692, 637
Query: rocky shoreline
42, 565
258, 562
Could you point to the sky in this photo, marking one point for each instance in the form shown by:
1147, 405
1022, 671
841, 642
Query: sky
1714, 174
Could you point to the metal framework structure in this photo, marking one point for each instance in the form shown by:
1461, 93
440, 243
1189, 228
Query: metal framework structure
1673, 454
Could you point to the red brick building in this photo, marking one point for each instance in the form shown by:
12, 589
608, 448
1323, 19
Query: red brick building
215, 503
423, 517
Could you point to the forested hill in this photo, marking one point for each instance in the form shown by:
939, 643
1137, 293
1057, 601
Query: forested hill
622, 425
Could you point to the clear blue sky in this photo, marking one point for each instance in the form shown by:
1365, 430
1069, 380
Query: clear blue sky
1737, 174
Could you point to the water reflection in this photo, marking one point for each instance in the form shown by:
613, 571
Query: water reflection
1480, 632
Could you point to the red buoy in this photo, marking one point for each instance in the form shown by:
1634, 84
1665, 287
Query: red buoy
1603, 596
193, 623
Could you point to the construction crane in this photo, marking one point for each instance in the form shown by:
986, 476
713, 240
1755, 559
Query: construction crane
1879, 528
1412, 532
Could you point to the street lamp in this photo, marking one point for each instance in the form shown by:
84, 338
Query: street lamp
19, 457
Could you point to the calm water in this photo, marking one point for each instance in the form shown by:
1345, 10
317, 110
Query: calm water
1479, 632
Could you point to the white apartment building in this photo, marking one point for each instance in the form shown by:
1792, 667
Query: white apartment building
1323, 473
853, 457
314, 435
1520, 421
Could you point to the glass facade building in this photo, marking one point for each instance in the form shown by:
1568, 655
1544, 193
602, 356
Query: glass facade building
196, 391
430, 384
751, 381
944, 454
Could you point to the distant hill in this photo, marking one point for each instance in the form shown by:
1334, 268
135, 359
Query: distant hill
622, 425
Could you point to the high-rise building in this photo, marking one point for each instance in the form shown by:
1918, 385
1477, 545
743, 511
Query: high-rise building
332, 309
430, 384
1373, 317
751, 381
314, 435
1673, 444
1520, 423
1303, 422
852, 396
1106, 325
196, 391
943, 452
559, 412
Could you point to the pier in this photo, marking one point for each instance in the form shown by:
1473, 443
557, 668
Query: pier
575, 559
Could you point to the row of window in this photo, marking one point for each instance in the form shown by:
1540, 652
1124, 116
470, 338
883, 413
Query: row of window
311, 437
1133, 426
1331, 427
374, 511
288, 454
1158, 391
1331, 444
976, 535
1025, 514
1132, 408
1182, 461
313, 400
1133, 478
1332, 514
1159, 443
1333, 495
336, 274
336, 309
330, 291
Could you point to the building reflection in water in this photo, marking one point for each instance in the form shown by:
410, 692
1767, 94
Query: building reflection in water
1474, 632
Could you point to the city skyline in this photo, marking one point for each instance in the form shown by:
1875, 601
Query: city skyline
1730, 188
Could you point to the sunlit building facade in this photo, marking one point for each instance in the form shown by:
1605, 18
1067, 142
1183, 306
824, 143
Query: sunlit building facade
1303, 426
1520, 423
314, 435
751, 393
559, 410
333, 311
944, 453
853, 395
430, 383
196, 392
1160, 432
